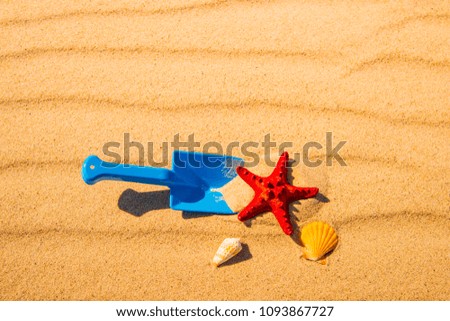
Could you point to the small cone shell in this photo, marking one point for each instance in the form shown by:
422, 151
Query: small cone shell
229, 248
318, 238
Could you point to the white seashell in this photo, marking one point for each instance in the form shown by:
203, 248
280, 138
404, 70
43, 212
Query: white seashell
229, 248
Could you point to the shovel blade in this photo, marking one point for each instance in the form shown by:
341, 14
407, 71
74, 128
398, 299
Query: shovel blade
207, 171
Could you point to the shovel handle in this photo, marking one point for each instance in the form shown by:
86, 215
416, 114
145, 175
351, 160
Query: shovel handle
95, 170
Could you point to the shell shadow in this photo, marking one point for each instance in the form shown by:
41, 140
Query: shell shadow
242, 256
139, 203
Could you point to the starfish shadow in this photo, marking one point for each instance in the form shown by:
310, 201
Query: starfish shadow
248, 223
308, 211
295, 207
290, 175
242, 256
139, 203
322, 198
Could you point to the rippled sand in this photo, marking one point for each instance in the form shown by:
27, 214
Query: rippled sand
75, 75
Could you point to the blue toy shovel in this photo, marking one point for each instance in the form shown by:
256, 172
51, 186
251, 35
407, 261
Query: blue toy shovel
193, 180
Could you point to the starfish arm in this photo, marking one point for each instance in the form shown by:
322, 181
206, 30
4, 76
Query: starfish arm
256, 206
248, 176
281, 167
273, 193
281, 212
300, 193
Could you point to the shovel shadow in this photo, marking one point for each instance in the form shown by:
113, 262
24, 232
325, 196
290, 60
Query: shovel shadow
188, 215
139, 203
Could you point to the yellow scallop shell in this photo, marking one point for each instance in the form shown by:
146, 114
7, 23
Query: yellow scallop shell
318, 238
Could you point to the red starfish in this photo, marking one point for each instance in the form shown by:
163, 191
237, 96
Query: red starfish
273, 193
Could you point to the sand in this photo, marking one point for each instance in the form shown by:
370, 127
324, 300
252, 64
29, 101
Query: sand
76, 75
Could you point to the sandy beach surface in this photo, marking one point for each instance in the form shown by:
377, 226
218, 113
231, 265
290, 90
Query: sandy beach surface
77, 75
